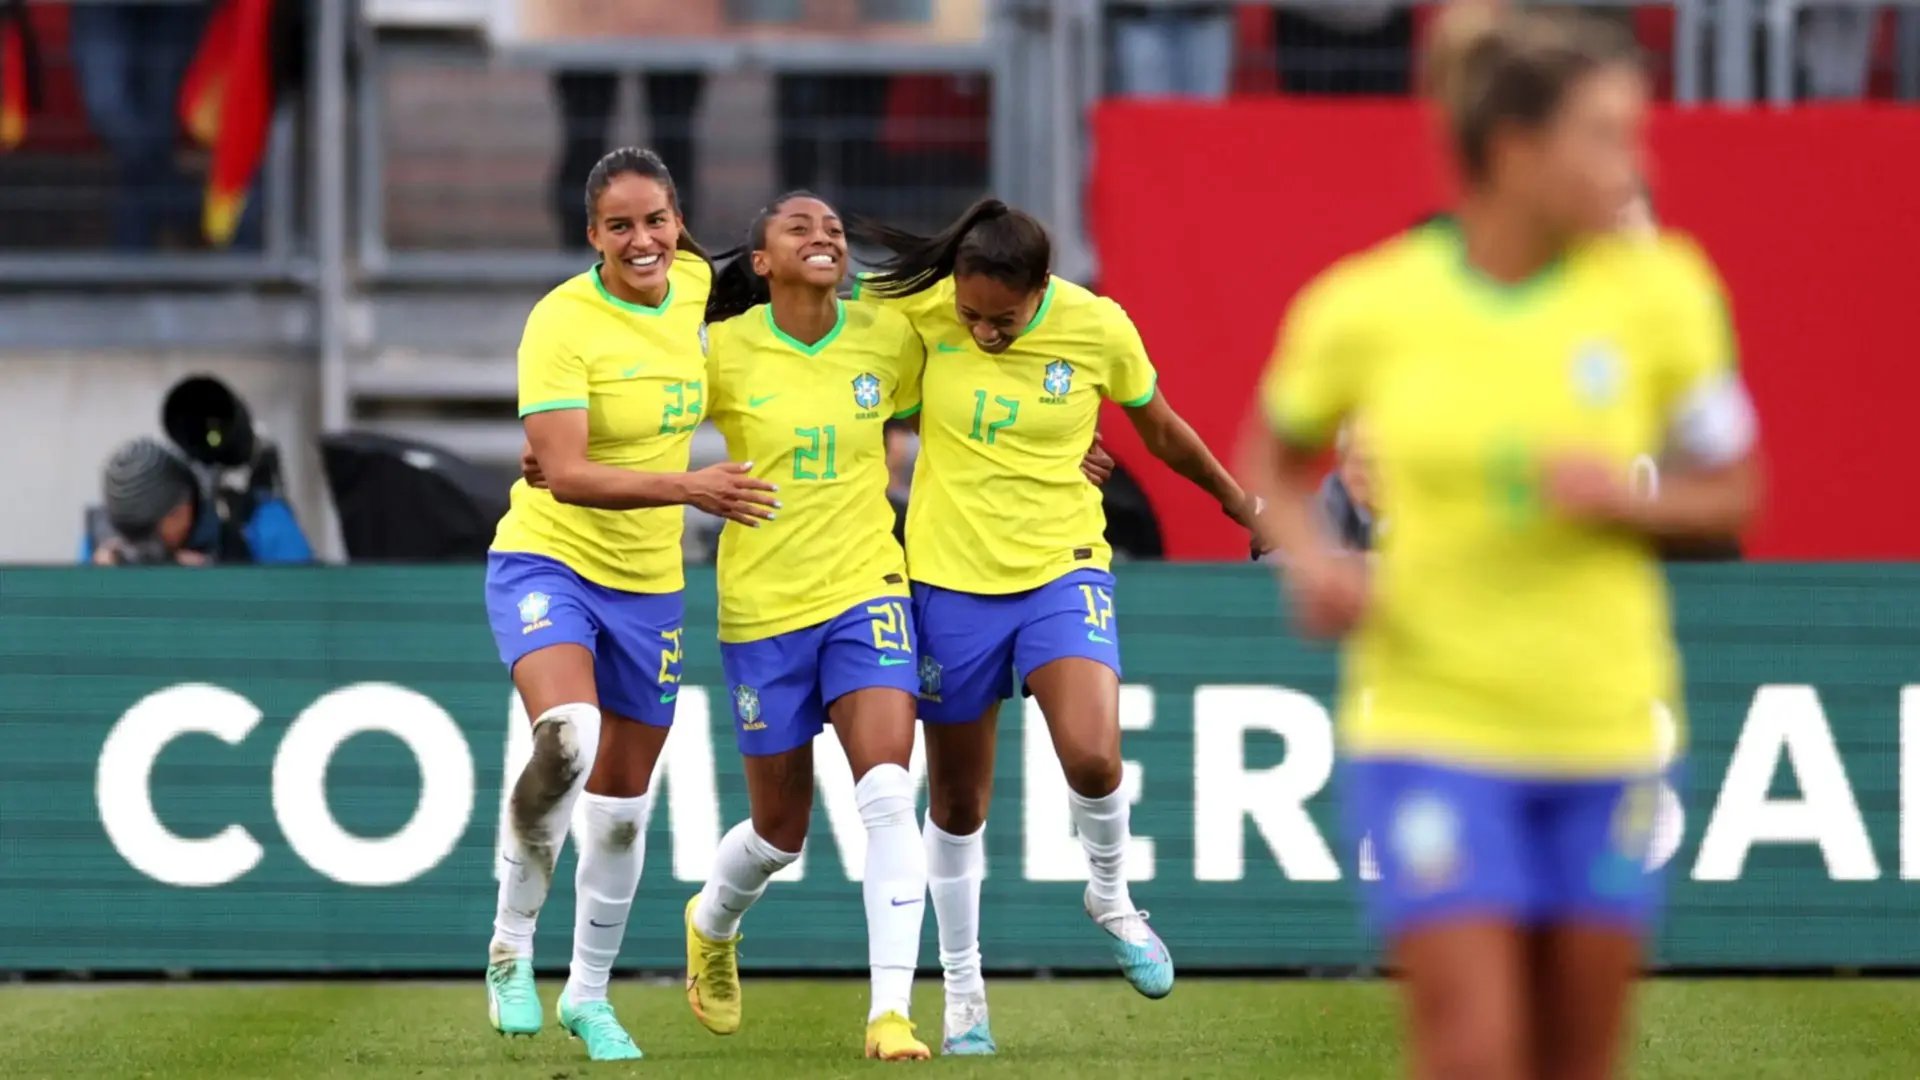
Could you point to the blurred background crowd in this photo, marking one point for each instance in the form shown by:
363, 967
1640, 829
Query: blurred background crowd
340, 211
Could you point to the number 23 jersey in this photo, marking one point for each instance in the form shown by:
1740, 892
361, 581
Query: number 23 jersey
641, 377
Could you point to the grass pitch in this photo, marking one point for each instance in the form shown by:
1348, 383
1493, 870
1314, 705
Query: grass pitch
1714, 1030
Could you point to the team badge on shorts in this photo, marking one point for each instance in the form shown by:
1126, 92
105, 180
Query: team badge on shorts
929, 678
866, 390
1619, 869
746, 706
1426, 841
533, 612
1058, 380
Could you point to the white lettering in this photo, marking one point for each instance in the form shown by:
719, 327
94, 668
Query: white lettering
300, 784
1053, 851
1670, 815
1910, 783
833, 780
1226, 793
1786, 720
693, 797
123, 786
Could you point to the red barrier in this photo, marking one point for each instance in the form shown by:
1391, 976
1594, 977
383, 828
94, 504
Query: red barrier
1208, 218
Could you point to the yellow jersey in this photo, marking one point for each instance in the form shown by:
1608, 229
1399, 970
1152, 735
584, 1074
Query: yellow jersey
640, 374
999, 504
811, 418
1500, 635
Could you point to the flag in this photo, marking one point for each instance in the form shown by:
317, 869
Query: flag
19, 73
226, 105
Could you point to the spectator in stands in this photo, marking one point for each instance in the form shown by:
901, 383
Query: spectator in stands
587, 100
129, 60
1161, 52
1345, 501
1356, 47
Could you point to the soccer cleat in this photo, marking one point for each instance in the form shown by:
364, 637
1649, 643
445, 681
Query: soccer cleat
1143, 958
512, 1004
890, 1038
593, 1023
713, 978
967, 1033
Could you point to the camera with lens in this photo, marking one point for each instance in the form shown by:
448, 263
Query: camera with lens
235, 469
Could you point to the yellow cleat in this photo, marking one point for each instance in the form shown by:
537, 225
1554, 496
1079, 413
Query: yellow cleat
713, 978
890, 1038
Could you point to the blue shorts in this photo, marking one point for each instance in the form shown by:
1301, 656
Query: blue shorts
971, 644
1454, 843
534, 602
782, 685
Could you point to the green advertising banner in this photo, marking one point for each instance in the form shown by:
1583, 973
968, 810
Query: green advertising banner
300, 770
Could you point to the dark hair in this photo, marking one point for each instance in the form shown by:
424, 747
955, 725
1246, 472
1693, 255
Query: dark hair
991, 238
736, 288
635, 161
1513, 68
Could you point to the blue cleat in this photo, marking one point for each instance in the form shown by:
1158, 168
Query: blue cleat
967, 1033
512, 1004
593, 1023
1142, 957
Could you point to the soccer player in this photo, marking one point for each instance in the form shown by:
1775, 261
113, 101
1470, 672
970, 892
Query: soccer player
1009, 564
584, 578
1511, 638
814, 619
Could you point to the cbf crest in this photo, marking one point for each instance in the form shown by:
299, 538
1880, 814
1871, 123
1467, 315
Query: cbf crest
866, 391
1427, 842
746, 706
1596, 374
929, 678
1057, 382
533, 612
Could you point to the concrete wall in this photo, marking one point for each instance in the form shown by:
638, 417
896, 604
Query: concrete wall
65, 413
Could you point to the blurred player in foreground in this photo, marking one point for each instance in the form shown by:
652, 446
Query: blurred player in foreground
1510, 638
814, 621
1006, 548
584, 579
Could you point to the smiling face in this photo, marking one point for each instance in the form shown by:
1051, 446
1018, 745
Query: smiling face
802, 243
635, 228
993, 311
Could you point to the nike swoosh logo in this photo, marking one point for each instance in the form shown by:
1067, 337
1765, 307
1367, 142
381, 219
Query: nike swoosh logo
606, 925
944, 347
628, 373
893, 661
1094, 635
665, 698
756, 402
904, 903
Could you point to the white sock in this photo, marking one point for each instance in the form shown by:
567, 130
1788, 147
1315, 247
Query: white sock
894, 886
566, 738
603, 888
1104, 834
955, 867
741, 869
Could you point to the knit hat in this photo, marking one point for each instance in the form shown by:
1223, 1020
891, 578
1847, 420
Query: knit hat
143, 482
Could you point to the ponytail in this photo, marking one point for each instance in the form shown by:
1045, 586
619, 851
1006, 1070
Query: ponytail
990, 238
736, 288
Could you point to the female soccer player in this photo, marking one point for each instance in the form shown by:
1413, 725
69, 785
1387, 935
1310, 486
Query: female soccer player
1511, 638
584, 579
1009, 565
814, 622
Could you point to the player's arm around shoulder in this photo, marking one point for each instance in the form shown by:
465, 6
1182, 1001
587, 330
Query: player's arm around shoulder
1132, 382
909, 355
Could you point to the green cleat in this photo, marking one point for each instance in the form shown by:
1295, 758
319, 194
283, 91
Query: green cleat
593, 1024
512, 1004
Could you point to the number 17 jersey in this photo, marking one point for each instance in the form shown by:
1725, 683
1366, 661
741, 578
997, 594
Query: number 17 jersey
999, 503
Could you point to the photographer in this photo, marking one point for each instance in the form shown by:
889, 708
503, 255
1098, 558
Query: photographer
163, 506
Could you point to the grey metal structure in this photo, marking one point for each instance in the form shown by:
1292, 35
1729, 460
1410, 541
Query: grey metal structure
421, 341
